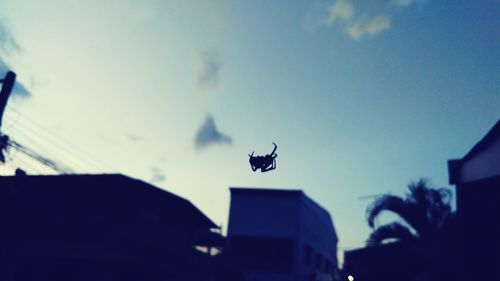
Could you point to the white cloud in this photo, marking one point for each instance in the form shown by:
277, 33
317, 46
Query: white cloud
364, 19
7, 41
341, 10
359, 30
209, 67
8, 44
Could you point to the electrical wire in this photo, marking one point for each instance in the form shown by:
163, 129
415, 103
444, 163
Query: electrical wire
15, 132
83, 154
24, 135
34, 155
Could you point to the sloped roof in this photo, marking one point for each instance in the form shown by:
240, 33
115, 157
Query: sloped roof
455, 165
485, 142
109, 192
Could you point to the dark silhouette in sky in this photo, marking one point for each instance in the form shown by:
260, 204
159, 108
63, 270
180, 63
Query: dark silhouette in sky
423, 246
7, 86
19, 89
264, 163
424, 209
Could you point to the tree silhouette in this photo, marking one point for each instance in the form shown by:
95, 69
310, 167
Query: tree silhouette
425, 211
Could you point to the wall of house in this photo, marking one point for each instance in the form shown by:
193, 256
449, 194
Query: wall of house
262, 234
290, 224
479, 228
259, 215
483, 165
477, 180
95, 228
317, 243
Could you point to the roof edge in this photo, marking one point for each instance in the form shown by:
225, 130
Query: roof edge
263, 190
485, 142
455, 165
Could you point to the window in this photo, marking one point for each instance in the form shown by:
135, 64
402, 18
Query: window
319, 260
326, 266
307, 254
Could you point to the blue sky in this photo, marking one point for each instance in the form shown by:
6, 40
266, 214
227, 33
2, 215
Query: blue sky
360, 96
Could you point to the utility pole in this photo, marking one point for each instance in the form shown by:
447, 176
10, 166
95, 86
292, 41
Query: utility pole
5, 142
7, 86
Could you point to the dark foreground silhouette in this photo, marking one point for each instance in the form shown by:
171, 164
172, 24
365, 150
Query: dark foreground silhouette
425, 210
264, 163
422, 245
102, 228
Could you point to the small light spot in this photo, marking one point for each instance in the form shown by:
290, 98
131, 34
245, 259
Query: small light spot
350, 278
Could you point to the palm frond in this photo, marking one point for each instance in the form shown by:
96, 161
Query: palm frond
419, 191
393, 230
434, 203
407, 210
384, 203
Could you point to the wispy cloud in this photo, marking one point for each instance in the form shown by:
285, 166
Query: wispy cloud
341, 10
361, 19
359, 30
7, 41
157, 175
134, 138
209, 67
8, 45
208, 134
19, 89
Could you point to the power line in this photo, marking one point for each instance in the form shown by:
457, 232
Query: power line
34, 155
372, 196
60, 138
82, 156
25, 164
41, 147
23, 131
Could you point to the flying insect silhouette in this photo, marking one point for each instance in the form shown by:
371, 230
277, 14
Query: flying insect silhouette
264, 163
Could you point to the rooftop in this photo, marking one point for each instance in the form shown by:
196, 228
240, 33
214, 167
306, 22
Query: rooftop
74, 191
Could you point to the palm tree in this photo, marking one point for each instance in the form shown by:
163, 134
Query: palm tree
425, 211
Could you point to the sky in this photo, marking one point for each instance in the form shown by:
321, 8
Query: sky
361, 97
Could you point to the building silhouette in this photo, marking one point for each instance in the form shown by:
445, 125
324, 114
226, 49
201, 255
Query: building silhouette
477, 180
468, 247
280, 235
100, 227
389, 262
